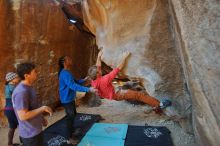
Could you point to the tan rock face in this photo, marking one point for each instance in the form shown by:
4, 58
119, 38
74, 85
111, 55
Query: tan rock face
141, 27
6, 55
170, 55
38, 31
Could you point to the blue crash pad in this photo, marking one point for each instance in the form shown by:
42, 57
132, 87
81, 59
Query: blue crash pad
117, 131
105, 134
101, 141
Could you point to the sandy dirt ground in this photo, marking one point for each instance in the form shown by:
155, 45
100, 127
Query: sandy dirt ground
122, 112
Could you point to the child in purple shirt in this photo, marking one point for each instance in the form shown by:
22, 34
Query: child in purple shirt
27, 107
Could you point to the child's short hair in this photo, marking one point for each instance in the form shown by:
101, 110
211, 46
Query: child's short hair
92, 72
24, 68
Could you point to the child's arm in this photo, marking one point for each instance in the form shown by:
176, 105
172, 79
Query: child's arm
25, 114
124, 57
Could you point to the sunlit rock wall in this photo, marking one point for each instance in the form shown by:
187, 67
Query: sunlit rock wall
143, 28
38, 31
175, 50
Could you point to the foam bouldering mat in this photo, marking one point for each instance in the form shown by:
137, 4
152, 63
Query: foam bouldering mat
55, 135
108, 130
135, 136
148, 136
105, 134
101, 141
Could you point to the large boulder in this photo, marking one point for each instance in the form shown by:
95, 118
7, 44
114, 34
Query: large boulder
175, 51
143, 28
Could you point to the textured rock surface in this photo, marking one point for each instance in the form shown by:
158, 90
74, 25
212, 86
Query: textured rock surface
196, 26
38, 31
7, 54
143, 29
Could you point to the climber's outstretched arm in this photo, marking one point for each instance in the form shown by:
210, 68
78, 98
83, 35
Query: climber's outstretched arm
99, 60
124, 57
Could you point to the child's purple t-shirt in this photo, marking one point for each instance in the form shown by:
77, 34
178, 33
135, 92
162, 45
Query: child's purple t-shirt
24, 97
